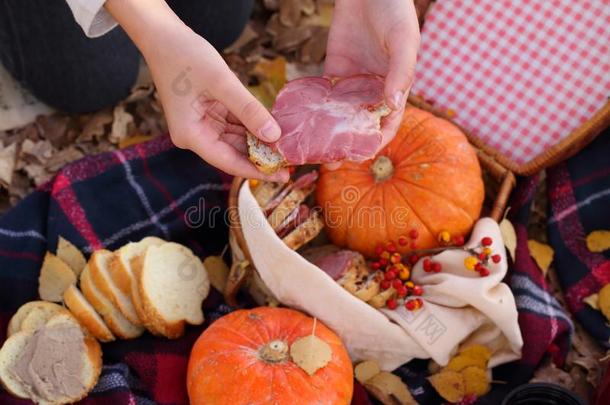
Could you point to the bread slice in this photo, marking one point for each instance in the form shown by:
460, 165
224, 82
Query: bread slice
118, 324
55, 277
16, 346
305, 232
70, 254
84, 312
263, 156
9, 354
288, 205
120, 267
99, 271
40, 316
14, 324
172, 284
265, 191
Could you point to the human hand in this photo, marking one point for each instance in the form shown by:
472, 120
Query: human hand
379, 37
207, 108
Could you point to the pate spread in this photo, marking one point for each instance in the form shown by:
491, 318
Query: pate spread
50, 364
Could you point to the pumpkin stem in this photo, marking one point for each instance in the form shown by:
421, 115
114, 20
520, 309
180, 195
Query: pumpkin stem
275, 351
382, 168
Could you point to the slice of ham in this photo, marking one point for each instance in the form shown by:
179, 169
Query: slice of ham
324, 120
296, 218
336, 264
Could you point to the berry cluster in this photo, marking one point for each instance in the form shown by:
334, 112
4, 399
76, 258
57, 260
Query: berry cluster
481, 256
396, 272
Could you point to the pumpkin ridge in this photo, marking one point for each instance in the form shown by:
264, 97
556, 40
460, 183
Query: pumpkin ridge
453, 203
362, 199
407, 136
428, 228
368, 184
406, 163
247, 338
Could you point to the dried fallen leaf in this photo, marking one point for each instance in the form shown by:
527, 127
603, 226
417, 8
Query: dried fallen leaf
70, 254
389, 389
94, 128
449, 384
8, 157
592, 300
134, 140
271, 75
120, 124
542, 254
218, 272
604, 301
598, 241
476, 355
310, 353
247, 35
476, 381
507, 230
366, 370
63, 157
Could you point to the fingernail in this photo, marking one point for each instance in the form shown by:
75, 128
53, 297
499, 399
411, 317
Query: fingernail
397, 100
270, 131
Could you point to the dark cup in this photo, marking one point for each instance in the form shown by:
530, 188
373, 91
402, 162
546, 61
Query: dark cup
542, 394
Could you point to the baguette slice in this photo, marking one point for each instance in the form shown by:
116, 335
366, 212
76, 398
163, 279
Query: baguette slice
305, 232
99, 272
15, 347
265, 191
14, 324
86, 315
39, 317
118, 324
120, 267
55, 277
172, 284
263, 156
70, 254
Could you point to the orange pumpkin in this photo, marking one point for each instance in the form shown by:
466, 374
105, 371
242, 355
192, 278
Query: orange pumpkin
426, 181
244, 358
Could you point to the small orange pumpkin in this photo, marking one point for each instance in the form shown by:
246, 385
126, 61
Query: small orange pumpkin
426, 181
244, 358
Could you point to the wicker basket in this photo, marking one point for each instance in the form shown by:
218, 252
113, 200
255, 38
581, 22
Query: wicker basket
499, 183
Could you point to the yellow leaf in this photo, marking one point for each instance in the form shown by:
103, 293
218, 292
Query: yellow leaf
390, 389
542, 254
271, 75
475, 355
476, 381
604, 301
598, 241
507, 230
134, 140
218, 272
70, 254
592, 300
310, 353
366, 370
449, 384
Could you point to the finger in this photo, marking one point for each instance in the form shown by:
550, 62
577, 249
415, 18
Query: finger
401, 68
247, 109
237, 141
389, 127
332, 166
226, 158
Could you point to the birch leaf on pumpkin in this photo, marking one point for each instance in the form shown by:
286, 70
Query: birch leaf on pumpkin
310, 353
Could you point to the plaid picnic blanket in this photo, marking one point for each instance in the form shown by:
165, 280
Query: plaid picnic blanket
579, 203
110, 199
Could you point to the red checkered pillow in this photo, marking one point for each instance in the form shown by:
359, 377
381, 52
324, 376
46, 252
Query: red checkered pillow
520, 75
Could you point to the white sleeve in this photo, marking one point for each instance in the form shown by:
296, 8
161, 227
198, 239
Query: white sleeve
92, 16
